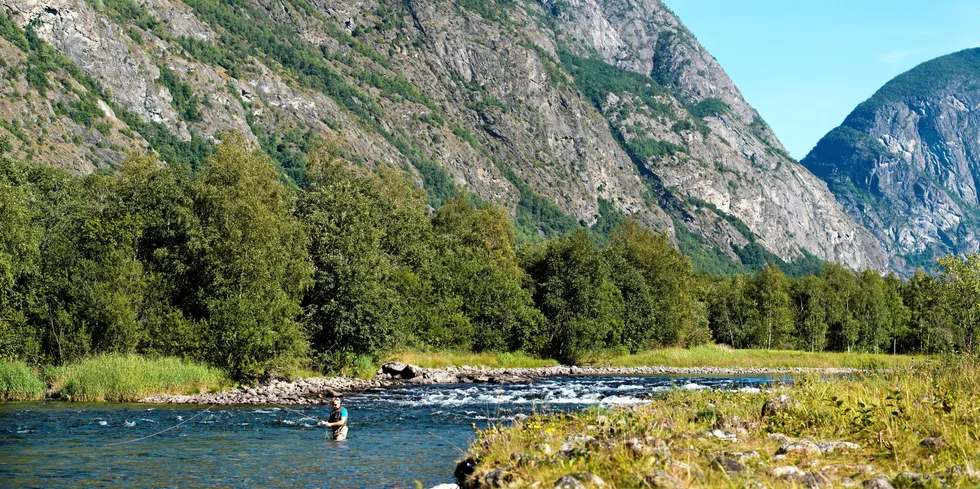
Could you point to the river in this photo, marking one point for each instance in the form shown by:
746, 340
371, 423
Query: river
397, 435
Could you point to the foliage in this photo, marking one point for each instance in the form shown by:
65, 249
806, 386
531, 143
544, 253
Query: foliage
182, 95
537, 217
444, 358
710, 107
232, 266
130, 378
19, 382
949, 71
596, 80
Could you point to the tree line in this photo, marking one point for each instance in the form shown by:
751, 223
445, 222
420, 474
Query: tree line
230, 265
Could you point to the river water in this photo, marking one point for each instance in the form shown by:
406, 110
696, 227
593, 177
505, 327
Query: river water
397, 436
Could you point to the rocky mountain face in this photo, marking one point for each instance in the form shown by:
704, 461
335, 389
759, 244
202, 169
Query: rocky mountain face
565, 112
906, 162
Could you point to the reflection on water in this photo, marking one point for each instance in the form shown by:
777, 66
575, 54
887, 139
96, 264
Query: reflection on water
397, 436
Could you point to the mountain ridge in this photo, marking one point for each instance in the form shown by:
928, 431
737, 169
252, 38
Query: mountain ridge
490, 97
903, 162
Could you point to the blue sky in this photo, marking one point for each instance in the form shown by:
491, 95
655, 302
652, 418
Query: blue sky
805, 64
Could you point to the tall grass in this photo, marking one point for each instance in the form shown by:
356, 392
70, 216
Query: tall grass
723, 356
19, 382
442, 359
131, 377
923, 419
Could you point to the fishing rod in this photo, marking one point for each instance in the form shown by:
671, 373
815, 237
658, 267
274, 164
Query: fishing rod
162, 431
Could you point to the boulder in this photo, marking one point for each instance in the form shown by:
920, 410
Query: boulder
464, 469
590, 479
723, 435
663, 480
743, 456
779, 404
800, 447
496, 478
787, 472
568, 482
727, 465
837, 446
394, 369
780, 438
880, 482
933, 443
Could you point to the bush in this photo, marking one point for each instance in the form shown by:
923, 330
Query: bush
19, 382
132, 377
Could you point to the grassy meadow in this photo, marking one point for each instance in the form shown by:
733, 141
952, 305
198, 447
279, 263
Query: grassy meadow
918, 426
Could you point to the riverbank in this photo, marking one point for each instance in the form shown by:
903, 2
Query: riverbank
312, 391
172, 381
115, 378
915, 427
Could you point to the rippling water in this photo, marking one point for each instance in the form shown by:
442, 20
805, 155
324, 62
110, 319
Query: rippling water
397, 436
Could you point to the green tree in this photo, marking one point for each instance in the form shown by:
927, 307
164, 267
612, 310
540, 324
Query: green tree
841, 290
961, 277
573, 291
770, 291
930, 328
732, 311
809, 304
476, 249
253, 262
668, 276
353, 306
19, 259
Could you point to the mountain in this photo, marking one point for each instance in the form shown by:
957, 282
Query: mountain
564, 112
906, 162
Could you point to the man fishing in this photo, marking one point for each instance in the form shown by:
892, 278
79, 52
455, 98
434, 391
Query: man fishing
337, 420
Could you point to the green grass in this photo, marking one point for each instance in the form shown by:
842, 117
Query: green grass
723, 356
19, 382
440, 359
887, 413
131, 377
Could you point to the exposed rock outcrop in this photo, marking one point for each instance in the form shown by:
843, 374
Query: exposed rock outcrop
604, 108
904, 163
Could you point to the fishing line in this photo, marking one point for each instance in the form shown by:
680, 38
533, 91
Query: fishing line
305, 416
447, 441
162, 431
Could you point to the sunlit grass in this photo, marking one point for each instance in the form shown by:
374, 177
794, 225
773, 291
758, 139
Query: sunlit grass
442, 359
723, 356
19, 382
887, 413
132, 377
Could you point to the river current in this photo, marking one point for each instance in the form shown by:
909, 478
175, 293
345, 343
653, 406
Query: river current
397, 435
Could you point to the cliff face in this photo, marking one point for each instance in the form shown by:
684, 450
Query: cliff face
562, 111
905, 162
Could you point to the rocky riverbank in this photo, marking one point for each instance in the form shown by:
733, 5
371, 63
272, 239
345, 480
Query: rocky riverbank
318, 390
902, 428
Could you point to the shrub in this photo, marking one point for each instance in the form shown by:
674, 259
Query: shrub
19, 382
131, 377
